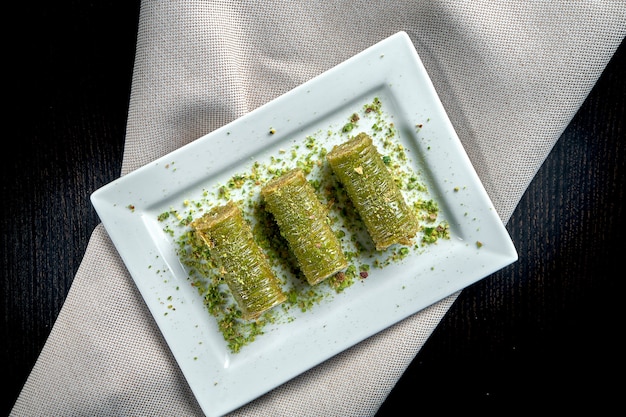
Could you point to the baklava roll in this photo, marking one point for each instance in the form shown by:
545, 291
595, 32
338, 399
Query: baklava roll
243, 264
370, 186
303, 222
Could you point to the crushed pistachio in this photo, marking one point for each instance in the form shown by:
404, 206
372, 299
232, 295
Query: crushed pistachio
309, 155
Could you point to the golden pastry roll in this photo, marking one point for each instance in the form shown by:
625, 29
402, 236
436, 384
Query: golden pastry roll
240, 260
303, 221
371, 188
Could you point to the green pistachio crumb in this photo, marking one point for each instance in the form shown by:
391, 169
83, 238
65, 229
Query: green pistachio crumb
309, 154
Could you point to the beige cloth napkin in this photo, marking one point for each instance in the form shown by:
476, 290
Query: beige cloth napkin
510, 74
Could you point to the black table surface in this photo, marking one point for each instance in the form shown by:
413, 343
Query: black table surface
543, 332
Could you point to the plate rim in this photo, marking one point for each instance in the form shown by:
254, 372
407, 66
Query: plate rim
99, 198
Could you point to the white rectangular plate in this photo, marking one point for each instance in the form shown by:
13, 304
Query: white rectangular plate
223, 381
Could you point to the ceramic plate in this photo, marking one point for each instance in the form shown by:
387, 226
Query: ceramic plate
310, 118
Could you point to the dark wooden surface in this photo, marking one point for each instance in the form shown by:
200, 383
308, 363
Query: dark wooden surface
543, 332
